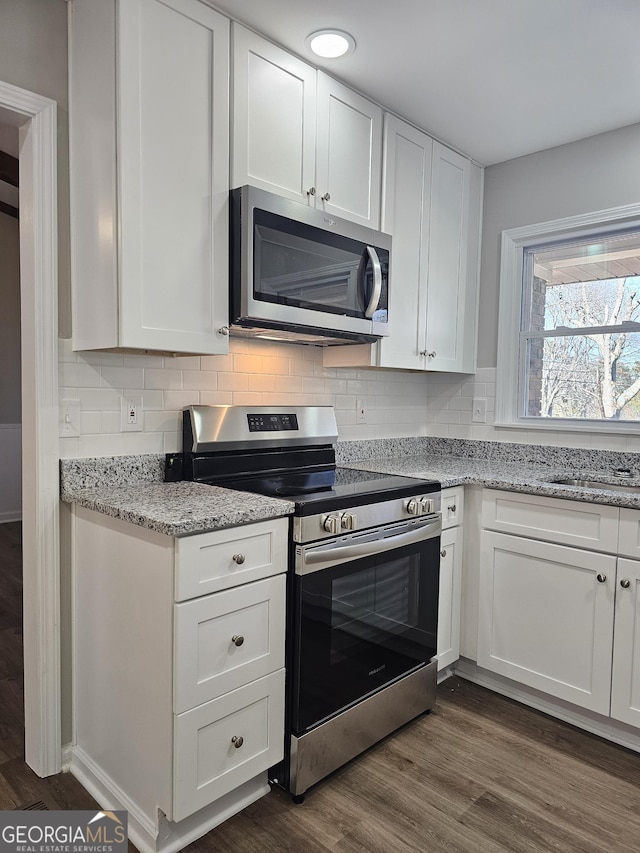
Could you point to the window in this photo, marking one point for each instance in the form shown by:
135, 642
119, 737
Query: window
569, 325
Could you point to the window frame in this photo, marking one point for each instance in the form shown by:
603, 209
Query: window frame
510, 368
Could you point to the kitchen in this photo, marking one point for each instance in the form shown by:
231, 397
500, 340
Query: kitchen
553, 185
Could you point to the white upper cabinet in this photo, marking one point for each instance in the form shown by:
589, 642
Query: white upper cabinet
405, 215
348, 153
456, 191
432, 207
300, 134
149, 128
273, 118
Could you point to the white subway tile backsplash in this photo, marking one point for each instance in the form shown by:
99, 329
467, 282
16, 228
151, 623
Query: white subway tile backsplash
199, 380
177, 400
215, 398
78, 375
262, 382
162, 421
99, 399
122, 377
164, 379
233, 381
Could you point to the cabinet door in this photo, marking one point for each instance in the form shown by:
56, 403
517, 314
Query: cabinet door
449, 223
449, 597
349, 153
406, 198
625, 687
173, 175
274, 118
546, 617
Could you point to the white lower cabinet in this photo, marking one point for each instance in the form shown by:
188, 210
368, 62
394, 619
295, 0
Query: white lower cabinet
225, 742
179, 695
450, 590
544, 618
561, 619
625, 686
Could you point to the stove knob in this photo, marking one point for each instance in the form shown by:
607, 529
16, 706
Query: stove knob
349, 521
413, 507
426, 504
330, 523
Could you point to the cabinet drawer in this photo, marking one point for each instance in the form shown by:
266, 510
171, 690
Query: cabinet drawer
213, 561
208, 661
586, 525
208, 762
452, 506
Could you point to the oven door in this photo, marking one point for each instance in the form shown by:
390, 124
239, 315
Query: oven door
365, 614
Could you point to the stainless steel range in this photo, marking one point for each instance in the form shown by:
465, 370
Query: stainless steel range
363, 578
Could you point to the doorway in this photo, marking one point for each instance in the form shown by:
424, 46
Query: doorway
34, 117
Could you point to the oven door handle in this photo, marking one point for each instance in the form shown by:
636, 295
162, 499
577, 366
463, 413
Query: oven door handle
324, 557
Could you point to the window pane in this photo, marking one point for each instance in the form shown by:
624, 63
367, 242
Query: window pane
584, 376
583, 284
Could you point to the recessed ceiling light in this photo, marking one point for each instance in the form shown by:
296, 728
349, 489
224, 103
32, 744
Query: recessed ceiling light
330, 44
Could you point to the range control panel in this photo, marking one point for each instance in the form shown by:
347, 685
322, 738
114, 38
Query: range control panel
272, 423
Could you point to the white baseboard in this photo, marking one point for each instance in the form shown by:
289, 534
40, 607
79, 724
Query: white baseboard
604, 727
6, 517
161, 835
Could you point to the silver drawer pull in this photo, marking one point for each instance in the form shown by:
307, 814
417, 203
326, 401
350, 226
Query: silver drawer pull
452, 508
601, 578
443, 553
237, 640
237, 741
238, 558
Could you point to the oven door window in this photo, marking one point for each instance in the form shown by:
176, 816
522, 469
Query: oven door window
305, 267
361, 625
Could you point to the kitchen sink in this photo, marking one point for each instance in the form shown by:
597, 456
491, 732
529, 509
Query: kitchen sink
597, 484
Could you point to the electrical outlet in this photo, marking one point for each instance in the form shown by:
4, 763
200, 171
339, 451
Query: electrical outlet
361, 412
479, 410
69, 418
131, 414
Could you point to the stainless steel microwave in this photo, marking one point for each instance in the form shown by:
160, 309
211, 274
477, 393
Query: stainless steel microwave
299, 274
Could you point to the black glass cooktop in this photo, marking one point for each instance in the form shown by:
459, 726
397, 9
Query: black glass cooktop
333, 488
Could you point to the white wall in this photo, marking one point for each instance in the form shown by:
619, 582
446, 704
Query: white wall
593, 174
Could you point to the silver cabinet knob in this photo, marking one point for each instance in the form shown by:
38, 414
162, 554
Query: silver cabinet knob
422, 352
326, 197
452, 508
443, 553
311, 191
625, 583
237, 640
224, 331
238, 558
431, 354
237, 741
601, 578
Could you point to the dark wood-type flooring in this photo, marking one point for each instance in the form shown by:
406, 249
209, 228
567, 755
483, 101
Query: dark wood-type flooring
481, 774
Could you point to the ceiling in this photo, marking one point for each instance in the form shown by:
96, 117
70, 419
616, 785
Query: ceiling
495, 79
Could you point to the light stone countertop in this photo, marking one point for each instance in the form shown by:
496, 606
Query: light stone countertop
526, 477
131, 487
179, 509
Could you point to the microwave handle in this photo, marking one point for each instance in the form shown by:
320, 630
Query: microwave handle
377, 283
